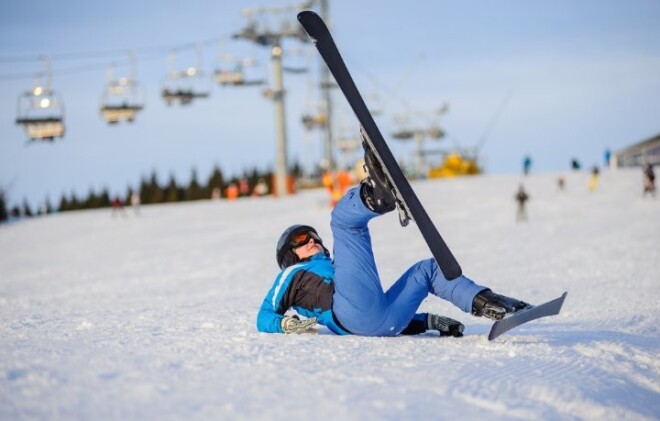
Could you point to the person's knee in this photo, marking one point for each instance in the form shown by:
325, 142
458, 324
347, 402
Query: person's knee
428, 267
422, 272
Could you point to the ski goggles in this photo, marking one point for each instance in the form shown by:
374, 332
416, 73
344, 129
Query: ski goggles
302, 237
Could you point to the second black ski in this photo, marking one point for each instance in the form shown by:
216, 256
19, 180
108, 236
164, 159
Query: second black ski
409, 205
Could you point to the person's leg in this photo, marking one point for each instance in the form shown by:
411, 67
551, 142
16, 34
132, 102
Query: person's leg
405, 296
359, 301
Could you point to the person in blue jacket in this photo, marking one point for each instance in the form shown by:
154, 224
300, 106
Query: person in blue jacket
346, 295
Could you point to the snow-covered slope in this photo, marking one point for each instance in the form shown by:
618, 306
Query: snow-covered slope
153, 317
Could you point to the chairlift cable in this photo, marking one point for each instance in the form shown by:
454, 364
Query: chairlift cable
156, 52
493, 121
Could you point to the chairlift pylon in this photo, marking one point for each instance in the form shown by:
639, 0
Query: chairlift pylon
122, 98
41, 110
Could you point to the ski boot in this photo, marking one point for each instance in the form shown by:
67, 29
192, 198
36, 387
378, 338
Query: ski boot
376, 191
445, 325
495, 306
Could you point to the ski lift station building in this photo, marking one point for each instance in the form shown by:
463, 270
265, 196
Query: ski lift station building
639, 154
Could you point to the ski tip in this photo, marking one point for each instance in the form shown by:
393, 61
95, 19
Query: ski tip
312, 24
307, 15
549, 308
561, 299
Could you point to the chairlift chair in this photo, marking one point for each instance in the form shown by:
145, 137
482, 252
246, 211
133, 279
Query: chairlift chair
229, 77
186, 85
403, 131
121, 101
435, 132
236, 76
122, 98
312, 121
41, 113
403, 134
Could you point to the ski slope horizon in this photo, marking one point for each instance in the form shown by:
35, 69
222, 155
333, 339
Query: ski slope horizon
153, 316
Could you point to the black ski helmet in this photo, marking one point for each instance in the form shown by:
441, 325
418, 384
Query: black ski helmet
284, 253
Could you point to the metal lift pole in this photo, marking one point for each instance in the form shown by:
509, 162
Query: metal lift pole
281, 167
326, 88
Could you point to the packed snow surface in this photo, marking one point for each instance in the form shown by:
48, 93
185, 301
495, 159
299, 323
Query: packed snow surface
153, 316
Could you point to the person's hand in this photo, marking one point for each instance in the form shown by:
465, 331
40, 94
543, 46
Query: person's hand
445, 325
293, 324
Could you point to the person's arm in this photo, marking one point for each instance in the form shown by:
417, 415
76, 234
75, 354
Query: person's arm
271, 318
268, 320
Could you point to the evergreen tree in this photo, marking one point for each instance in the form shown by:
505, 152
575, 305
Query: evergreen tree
216, 181
296, 170
92, 200
129, 195
47, 208
150, 191
4, 215
172, 190
104, 199
26, 209
15, 212
74, 203
145, 191
194, 191
268, 178
64, 204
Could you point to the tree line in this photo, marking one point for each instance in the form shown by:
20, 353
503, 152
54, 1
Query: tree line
152, 191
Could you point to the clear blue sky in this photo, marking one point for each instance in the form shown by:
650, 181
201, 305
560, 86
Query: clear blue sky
580, 77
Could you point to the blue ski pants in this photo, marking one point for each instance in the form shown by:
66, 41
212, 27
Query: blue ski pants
359, 302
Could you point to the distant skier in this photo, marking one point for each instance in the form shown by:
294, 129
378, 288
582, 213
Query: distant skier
608, 158
135, 203
561, 183
575, 164
593, 179
527, 164
521, 197
346, 294
117, 207
649, 180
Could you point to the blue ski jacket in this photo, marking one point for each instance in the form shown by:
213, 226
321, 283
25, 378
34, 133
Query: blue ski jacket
308, 288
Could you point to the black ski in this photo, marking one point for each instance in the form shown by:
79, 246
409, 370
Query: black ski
409, 205
549, 308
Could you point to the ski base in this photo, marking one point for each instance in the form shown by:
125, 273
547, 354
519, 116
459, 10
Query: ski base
410, 208
550, 308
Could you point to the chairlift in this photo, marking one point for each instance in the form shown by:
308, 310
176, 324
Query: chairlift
295, 70
236, 75
312, 121
435, 132
403, 132
348, 145
41, 111
185, 85
122, 98
299, 66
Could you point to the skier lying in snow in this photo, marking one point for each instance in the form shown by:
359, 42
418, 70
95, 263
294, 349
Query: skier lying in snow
346, 295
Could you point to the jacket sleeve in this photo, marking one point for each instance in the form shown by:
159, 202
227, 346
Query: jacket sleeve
268, 319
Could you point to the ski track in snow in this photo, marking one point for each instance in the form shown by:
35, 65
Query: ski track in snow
153, 317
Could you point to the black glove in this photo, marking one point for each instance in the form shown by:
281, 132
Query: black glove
445, 325
293, 324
